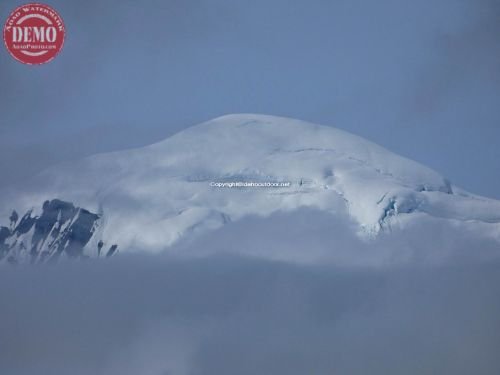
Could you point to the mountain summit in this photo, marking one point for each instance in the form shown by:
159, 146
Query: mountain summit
217, 172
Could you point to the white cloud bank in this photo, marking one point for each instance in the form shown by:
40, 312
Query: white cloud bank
211, 312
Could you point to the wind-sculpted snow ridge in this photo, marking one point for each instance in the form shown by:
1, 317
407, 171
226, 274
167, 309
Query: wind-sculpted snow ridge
152, 197
60, 230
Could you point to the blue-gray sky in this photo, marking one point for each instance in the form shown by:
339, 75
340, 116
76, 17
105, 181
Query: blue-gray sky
420, 78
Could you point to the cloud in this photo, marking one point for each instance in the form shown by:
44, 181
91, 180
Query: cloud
217, 311
309, 236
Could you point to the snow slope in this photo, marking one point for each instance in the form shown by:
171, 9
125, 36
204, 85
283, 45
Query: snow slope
151, 197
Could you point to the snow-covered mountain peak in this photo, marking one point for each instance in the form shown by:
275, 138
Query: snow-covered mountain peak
151, 197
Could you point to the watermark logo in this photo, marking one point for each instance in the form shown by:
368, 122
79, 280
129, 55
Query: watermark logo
34, 33
250, 184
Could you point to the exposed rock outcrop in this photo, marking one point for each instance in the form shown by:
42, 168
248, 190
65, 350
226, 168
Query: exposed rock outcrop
60, 230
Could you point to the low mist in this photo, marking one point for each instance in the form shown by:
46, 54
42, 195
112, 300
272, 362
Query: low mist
222, 313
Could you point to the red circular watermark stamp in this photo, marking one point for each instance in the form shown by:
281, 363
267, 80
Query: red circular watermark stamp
34, 33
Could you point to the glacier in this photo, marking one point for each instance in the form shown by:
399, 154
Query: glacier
150, 198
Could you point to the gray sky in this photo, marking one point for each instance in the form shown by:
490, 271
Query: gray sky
420, 78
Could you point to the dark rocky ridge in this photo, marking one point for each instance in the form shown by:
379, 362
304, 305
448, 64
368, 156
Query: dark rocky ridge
61, 230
